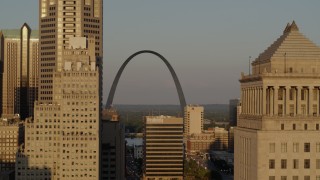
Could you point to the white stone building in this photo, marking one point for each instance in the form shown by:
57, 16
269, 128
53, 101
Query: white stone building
277, 135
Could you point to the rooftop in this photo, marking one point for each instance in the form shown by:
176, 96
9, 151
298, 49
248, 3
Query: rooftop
16, 33
291, 44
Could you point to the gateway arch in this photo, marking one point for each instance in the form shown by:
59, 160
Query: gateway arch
173, 74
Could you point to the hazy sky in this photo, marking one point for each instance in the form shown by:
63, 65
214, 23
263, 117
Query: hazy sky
208, 42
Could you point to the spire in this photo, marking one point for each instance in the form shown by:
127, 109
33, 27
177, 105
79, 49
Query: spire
294, 26
286, 29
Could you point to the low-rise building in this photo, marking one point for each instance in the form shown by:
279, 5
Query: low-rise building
217, 140
11, 137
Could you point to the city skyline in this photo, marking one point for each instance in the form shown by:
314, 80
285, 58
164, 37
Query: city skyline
212, 32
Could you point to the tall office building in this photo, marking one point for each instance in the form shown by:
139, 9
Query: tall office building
163, 148
277, 136
193, 119
112, 146
62, 141
19, 71
59, 20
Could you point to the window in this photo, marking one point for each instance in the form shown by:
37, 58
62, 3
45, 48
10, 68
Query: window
317, 177
317, 126
280, 109
303, 94
272, 178
283, 177
271, 164
296, 164
314, 110
282, 126
318, 163
317, 147
280, 94
307, 163
303, 109
306, 147
295, 177
283, 147
306, 177
305, 126
295, 147
283, 164
294, 126
315, 94
291, 110
292, 93
272, 147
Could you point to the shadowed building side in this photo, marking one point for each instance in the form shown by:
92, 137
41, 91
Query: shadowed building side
19, 71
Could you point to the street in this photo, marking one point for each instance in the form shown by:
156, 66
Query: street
207, 164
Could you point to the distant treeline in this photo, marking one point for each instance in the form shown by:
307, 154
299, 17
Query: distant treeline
132, 115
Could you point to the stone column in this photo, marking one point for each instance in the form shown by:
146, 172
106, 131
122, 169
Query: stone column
287, 101
261, 100
271, 94
264, 101
267, 101
255, 101
275, 100
242, 99
251, 101
247, 101
298, 104
318, 99
258, 101
310, 100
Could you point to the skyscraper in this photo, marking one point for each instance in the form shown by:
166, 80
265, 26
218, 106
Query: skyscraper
59, 20
277, 136
19, 65
163, 148
62, 141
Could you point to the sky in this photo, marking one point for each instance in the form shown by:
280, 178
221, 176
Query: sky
208, 43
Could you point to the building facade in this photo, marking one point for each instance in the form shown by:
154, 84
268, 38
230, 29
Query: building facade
11, 137
112, 146
163, 148
216, 140
59, 20
231, 139
233, 111
63, 139
193, 119
138, 151
277, 136
19, 63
